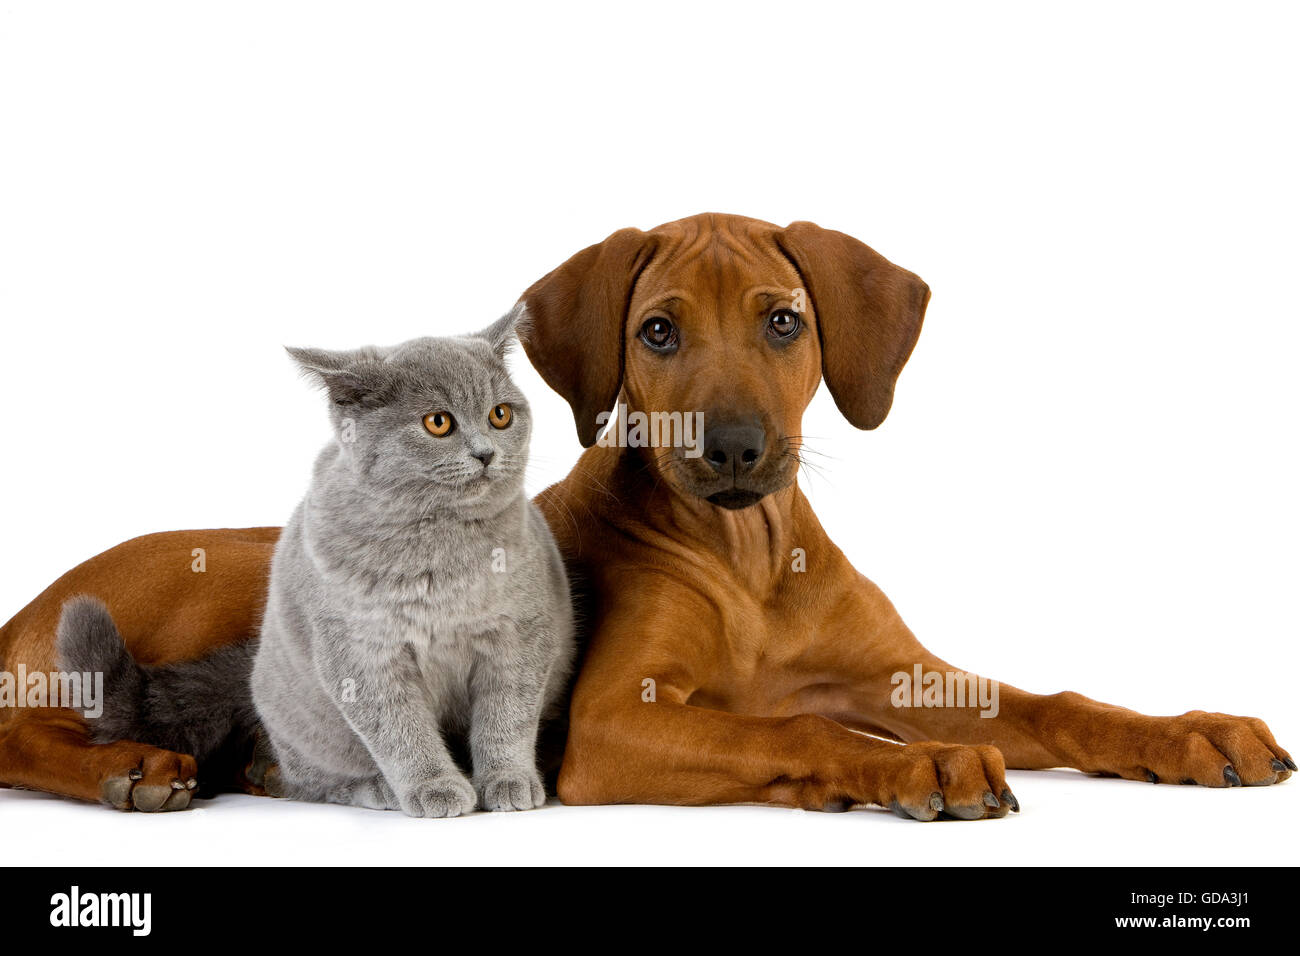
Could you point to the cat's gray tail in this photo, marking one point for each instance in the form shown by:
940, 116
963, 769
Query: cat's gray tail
201, 707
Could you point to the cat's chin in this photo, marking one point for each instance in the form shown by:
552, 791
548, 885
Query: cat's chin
455, 485
476, 492
477, 486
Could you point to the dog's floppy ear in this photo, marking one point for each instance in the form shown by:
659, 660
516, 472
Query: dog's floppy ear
572, 328
869, 314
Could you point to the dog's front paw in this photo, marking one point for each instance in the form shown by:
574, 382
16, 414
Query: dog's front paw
511, 790
448, 795
1213, 750
922, 781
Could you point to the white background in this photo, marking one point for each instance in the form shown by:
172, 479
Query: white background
1089, 477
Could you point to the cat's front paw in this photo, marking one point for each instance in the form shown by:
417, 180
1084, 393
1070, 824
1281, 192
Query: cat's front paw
449, 795
373, 793
511, 790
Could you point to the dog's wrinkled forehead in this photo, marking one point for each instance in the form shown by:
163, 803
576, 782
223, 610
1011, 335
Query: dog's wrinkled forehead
717, 240
713, 261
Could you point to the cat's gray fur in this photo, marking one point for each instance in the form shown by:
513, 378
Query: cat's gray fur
416, 592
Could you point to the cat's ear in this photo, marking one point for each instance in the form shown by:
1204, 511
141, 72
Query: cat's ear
501, 333
356, 377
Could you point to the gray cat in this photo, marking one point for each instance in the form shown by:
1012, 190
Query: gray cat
416, 594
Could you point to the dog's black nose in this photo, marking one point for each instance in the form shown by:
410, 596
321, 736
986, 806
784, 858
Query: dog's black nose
734, 448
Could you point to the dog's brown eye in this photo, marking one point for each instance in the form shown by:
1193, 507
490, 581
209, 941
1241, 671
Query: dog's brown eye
500, 416
439, 423
659, 334
783, 323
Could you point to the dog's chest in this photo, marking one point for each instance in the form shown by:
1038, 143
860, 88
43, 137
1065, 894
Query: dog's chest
763, 659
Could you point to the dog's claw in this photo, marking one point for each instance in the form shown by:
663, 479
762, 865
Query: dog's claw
191, 784
177, 785
1290, 764
991, 801
1010, 800
135, 774
1152, 777
1231, 777
1277, 765
936, 802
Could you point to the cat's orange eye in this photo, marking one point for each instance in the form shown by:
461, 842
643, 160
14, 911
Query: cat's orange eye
439, 423
500, 416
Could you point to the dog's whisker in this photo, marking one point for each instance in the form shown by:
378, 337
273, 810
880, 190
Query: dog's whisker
801, 442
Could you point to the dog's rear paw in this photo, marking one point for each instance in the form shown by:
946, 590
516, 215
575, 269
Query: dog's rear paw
1213, 750
261, 777
159, 781
273, 782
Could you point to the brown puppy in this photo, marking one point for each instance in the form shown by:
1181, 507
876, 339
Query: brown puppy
731, 645
719, 668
